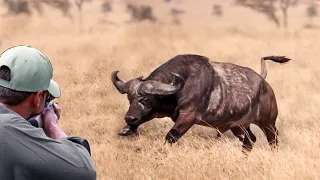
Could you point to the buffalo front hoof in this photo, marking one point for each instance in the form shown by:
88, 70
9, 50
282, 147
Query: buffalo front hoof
172, 136
127, 131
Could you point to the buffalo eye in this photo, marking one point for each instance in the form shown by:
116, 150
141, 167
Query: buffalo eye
143, 100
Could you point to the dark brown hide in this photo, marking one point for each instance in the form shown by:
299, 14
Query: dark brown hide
194, 90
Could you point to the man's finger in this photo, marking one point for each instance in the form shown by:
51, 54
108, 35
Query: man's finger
55, 106
56, 109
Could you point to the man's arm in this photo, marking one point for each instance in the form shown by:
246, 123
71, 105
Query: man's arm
50, 118
54, 131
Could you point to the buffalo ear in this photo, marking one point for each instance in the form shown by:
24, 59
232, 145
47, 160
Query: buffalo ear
177, 79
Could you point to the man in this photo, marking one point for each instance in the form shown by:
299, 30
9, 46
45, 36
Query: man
28, 152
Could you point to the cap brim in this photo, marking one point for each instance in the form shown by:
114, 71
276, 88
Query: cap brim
54, 89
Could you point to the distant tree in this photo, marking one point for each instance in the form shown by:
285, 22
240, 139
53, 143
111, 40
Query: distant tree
175, 13
268, 7
217, 10
15, 7
63, 5
140, 13
79, 4
25, 6
106, 6
284, 4
295, 2
311, 12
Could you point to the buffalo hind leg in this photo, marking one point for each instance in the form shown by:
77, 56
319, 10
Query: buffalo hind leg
220, 131
238, 132
249, 140
245, 135
182, 125
271, 133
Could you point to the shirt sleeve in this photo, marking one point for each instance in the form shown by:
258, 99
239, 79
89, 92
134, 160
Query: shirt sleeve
80, 141
46, 158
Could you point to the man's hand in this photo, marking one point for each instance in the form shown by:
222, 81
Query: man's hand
50, 118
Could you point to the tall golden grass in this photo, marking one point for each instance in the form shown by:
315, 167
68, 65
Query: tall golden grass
84, 57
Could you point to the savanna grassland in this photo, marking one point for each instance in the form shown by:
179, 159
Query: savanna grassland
83, 57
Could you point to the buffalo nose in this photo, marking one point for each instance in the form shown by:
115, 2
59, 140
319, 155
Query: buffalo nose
130, 118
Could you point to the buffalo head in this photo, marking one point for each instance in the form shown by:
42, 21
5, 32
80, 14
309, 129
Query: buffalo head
144, 95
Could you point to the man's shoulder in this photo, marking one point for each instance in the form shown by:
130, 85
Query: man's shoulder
8, 117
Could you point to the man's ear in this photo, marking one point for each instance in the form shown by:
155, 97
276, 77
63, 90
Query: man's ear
35, 99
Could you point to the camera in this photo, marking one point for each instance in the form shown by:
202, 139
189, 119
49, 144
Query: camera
37, 121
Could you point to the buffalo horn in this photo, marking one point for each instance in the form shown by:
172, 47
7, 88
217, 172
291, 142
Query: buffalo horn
118, 83
159, 88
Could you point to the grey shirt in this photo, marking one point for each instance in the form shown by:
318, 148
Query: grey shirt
26, 153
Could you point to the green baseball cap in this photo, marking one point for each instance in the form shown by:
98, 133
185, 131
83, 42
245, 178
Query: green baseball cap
31, 71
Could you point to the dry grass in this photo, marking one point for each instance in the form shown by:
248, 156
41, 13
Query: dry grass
93, 109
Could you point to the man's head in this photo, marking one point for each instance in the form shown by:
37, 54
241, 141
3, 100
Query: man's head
25, 77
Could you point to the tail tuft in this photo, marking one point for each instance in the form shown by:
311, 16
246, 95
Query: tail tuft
278, 59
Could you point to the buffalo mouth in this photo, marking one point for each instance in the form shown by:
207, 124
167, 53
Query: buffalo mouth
128, 130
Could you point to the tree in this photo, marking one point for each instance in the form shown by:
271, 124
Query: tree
140, 13
175, 13
217, 10
284, 4
268, 7
25, 6
106, 7
15, 7
63, 5
311, 12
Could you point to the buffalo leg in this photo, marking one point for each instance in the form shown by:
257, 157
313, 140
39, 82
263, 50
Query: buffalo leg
128, 130
271, 133
238, 132
248, 141
182, 125
219, 133
268, 115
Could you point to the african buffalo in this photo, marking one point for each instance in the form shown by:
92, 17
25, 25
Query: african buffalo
192, 89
